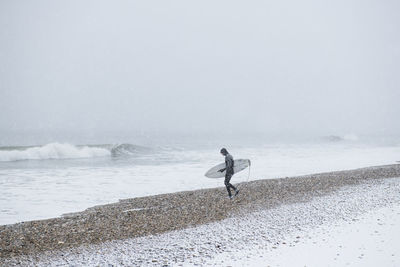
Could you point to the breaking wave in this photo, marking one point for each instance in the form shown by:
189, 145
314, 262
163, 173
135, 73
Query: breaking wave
68, 151
52, 151
336, 138
127, 150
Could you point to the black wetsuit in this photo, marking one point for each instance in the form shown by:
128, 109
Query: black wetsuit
229, 172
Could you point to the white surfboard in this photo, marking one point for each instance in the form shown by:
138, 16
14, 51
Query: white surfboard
239, 165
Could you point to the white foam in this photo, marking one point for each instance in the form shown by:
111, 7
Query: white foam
53, 151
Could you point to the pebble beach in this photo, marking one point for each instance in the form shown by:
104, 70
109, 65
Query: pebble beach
200, 227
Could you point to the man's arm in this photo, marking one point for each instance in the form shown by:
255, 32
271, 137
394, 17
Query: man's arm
226, 166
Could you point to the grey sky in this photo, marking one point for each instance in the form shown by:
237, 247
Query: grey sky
197, 66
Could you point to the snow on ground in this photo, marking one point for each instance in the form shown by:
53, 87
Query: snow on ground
371, 239
324, 227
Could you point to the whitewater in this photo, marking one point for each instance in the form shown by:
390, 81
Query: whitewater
39, 182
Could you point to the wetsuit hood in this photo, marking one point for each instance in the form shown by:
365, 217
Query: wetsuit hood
224, 151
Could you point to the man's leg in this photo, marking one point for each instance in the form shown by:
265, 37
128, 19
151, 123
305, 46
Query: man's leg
229, 186
228, 177
234, 188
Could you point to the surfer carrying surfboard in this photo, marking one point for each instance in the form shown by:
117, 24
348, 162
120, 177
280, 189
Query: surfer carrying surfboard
229, 164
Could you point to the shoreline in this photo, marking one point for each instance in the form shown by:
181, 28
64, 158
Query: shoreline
139, 217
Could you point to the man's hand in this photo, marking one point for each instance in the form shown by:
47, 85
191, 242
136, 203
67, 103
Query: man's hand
222, 170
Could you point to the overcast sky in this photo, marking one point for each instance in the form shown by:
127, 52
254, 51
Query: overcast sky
294, 66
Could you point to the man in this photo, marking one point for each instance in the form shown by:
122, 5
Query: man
229, 163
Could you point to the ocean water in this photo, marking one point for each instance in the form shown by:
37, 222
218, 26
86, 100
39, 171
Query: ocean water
39, 182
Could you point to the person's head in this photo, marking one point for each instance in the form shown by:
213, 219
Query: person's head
224, 151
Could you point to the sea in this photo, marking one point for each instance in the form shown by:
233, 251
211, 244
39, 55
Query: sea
40, 181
